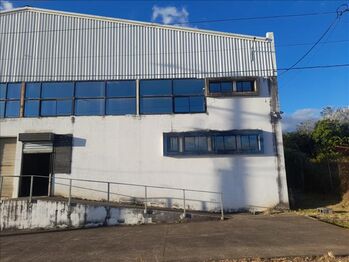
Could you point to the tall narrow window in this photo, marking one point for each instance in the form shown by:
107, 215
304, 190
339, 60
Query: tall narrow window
32, 99
10, 106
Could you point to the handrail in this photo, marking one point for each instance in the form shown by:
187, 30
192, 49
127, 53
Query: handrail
183, 190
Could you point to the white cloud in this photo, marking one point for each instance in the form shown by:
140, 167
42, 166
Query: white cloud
6, 5
291, 121
170, 15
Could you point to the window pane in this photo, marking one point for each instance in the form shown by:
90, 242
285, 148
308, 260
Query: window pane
14, 91
215, 87
2, 91
31, 108
155, 105
121, 88
12, 108
2, 109
197, 104
229, 143
188, 87
121, 106
89, 107
227, 87
57, 90
219, 143
189, 143
202, 143
245, 144
245, 86
32, 90
173, 145
64, 107
182, 105
254, 143
56, 108
155, 87
89, 89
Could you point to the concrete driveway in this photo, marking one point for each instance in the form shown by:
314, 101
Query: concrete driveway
240, 236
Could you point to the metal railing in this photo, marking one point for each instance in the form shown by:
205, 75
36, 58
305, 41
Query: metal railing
108, 184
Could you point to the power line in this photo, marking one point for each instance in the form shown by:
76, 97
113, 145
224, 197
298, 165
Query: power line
339, 12
178, 24
187, 73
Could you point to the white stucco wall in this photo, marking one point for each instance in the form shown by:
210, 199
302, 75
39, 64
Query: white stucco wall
130, 149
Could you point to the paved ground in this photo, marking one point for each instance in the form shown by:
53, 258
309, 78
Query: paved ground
240, 236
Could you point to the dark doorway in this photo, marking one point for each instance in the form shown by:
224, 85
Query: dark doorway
35, 164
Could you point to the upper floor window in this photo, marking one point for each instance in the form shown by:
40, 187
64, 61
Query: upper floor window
121, 98
232, 87
10, 97
172, 96
213, 142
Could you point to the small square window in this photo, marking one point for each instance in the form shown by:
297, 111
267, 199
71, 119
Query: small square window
245, 86
31, 108
12, 109
14, 91
215, 87
32, 90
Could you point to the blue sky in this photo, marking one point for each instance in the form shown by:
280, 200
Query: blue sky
302, 93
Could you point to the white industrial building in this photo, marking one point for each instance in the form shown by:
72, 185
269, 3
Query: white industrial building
95, 98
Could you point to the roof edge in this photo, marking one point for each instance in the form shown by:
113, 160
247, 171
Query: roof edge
139, 23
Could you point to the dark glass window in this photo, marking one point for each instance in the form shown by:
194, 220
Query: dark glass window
156, 87
32, 90
90, 89
121, 89
249, 143
12, 108
173, 144
213, 142
2, 109
215, 87
121, 106
244, 86
221, 87
89, 107
31, 108
56, 107
2, 91
195, 144
194, 104
57, 90
226, 87
14, 91
188, 87
156, 105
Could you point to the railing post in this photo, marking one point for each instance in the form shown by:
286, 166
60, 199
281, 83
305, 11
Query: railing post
221, 202
31, 189
108, 197
70, 186
145, 199
49, 185
184, 209
2, 182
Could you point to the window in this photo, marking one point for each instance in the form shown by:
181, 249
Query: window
245, 86
32, 99
231, 87
121, 97
89, 98
156, 97
57, 98
213, 142
172, 96
189, 96
10, 96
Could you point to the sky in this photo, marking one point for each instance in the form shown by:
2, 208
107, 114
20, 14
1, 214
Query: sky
303, 93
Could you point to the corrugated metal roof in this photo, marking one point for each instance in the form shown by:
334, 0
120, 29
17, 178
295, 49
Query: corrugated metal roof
45, 45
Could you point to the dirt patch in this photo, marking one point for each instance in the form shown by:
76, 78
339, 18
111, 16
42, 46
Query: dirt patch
329, 257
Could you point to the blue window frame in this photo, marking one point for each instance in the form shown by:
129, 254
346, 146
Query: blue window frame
10, 95
245, 86
221, 87
56, 107
213, 142
121, 98
57, 98
89, 107
172, 96
31, 108
32, 99
90, 89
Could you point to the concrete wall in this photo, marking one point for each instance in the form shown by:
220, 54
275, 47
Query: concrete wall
130, 149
